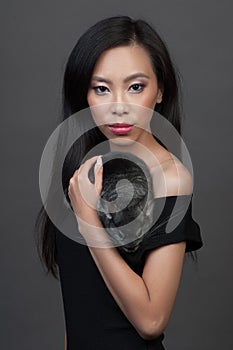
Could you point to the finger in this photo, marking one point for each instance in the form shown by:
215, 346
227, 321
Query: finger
69, 192
77, 171
98, 178
99, 163
88, 164
90, 160
85, 186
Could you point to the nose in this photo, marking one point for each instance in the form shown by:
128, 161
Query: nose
119, 108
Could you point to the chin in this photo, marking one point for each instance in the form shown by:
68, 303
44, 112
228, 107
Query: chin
122, 141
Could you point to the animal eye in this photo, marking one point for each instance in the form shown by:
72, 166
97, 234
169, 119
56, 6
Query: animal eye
100, 90
137, 87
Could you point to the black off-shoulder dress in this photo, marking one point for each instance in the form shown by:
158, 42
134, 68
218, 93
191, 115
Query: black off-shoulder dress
93, 319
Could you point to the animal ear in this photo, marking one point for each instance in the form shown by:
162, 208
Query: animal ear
149, 209
148, 216
107, 208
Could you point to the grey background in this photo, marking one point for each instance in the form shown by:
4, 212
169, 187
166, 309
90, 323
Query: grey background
37, 37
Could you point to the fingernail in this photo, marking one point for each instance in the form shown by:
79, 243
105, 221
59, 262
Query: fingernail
99, 162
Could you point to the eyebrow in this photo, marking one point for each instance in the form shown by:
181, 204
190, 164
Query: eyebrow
126, 80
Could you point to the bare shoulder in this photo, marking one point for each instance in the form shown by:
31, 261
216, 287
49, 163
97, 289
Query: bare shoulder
171, 178
178, 179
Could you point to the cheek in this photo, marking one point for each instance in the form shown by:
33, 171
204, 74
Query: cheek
148, 100
99, 112
97, 118
148, 103
90, 98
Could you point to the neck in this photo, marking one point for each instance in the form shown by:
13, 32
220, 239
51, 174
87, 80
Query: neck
146, 150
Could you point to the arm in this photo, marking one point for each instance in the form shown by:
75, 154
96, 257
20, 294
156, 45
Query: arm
146, 301
65, 341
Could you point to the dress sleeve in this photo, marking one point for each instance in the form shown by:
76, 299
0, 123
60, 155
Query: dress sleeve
172, 223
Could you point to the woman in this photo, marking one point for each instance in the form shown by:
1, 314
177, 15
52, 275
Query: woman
114, 300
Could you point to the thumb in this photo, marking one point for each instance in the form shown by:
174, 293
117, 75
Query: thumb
98, 174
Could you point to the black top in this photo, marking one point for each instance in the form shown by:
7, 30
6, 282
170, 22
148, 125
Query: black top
93, 319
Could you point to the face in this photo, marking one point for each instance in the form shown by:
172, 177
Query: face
123, 93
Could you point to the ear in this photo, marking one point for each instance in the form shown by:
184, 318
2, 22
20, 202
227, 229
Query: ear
159, 96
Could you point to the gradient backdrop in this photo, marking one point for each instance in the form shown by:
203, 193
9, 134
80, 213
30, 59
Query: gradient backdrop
37, 37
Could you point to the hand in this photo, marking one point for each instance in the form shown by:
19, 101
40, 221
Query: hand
82, 193
84, 196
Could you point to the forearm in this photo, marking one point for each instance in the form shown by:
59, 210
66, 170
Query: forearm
127, 288
65, 342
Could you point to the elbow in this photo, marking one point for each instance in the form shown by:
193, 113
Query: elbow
152, 330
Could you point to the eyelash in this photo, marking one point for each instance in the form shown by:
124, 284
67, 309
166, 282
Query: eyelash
95, 88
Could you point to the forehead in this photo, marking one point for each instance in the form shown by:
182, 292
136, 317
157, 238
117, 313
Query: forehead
124, 59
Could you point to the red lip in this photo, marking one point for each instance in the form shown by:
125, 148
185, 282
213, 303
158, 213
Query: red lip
120, 125
120, 128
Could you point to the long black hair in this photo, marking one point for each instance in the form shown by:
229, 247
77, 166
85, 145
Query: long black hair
105, 34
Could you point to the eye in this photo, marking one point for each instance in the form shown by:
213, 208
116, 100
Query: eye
100, 90
137, 87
